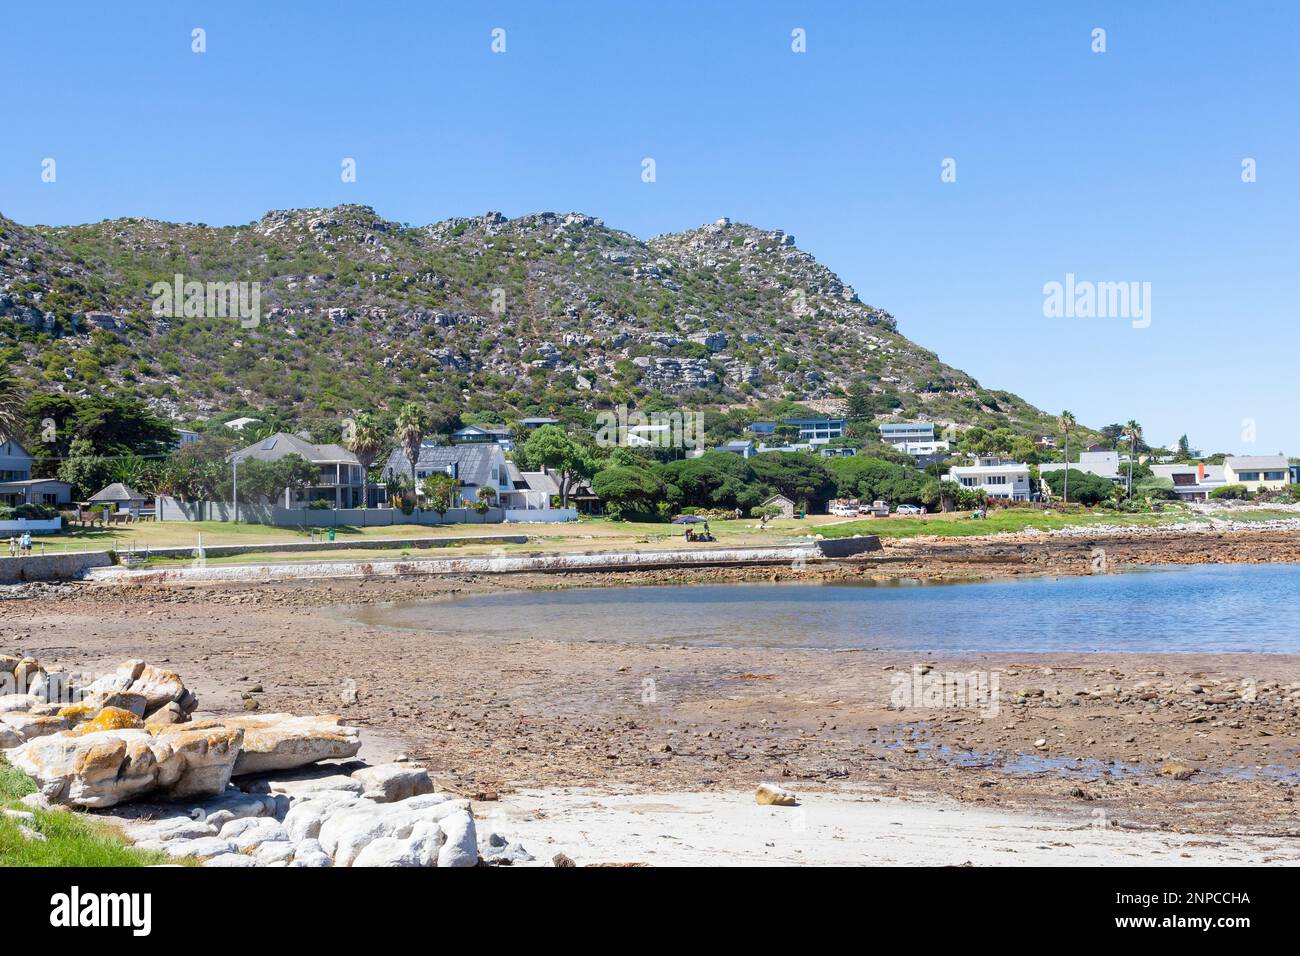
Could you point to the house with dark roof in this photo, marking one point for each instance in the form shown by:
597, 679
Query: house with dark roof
121, 497
521, 495
18, 487
474, 465
341, 479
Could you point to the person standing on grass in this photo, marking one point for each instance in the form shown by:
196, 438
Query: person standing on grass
13, 546
27, 542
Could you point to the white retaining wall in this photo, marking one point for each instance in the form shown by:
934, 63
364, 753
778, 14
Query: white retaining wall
20, 525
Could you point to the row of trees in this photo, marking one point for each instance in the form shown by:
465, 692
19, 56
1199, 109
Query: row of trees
631, 483
1131, 432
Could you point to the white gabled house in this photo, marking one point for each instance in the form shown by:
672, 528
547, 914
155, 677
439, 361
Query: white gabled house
996, 477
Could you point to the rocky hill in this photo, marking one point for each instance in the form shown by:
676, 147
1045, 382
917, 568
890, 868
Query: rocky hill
531, 315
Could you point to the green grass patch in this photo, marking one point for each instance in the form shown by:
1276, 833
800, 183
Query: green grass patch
71, 839
960, 524
1261, 514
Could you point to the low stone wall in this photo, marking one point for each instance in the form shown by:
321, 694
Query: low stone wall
52, 567
848, 547
500, 564
549, 515
19, 525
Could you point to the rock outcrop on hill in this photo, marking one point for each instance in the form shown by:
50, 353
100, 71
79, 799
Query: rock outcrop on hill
474, 313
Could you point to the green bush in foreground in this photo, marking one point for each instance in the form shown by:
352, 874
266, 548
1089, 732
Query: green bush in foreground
71, 839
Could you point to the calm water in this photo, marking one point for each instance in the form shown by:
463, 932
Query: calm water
1222, 608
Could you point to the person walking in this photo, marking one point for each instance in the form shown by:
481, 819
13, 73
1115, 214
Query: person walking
13, 546
27, 542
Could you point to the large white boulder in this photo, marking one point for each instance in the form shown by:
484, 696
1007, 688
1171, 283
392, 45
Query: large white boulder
304, 820
391, 782
248, 832
345, 833
308, 853
420, 848
461, 846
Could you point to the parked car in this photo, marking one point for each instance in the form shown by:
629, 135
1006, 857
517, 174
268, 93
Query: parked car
910, 510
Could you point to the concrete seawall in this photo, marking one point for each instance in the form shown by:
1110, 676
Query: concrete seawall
52, 567
502, 564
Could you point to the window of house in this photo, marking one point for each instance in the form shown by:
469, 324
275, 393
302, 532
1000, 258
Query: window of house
1274, 475
1248, 475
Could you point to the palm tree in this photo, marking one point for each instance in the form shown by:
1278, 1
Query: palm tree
1133, 432
366, 442
411, 426
1067, 422
11, 405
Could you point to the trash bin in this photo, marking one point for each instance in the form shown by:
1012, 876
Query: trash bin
331, 534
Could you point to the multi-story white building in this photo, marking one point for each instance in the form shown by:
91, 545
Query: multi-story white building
899, 433
996, 477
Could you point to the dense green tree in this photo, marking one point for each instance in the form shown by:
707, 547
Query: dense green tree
1084, 488
628, 488
439, 492
86, 471
800, 477
715, 479
568, 461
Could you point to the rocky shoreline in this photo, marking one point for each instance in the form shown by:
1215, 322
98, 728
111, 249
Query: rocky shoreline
226, 790
1192, 743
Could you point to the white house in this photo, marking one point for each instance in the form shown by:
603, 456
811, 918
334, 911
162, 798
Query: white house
1192, 482
899, 433
1257, 471
997, 478
1104, 464
741, 447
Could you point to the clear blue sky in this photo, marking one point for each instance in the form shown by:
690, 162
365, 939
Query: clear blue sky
1121, 166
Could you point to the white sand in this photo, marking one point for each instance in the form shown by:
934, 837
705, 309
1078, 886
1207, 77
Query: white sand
847, 827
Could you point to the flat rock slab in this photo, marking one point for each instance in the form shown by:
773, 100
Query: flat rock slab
285, 741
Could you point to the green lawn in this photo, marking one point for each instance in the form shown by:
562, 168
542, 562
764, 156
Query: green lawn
960, 524
593, 534
1260, 514
171, 534
71, 839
